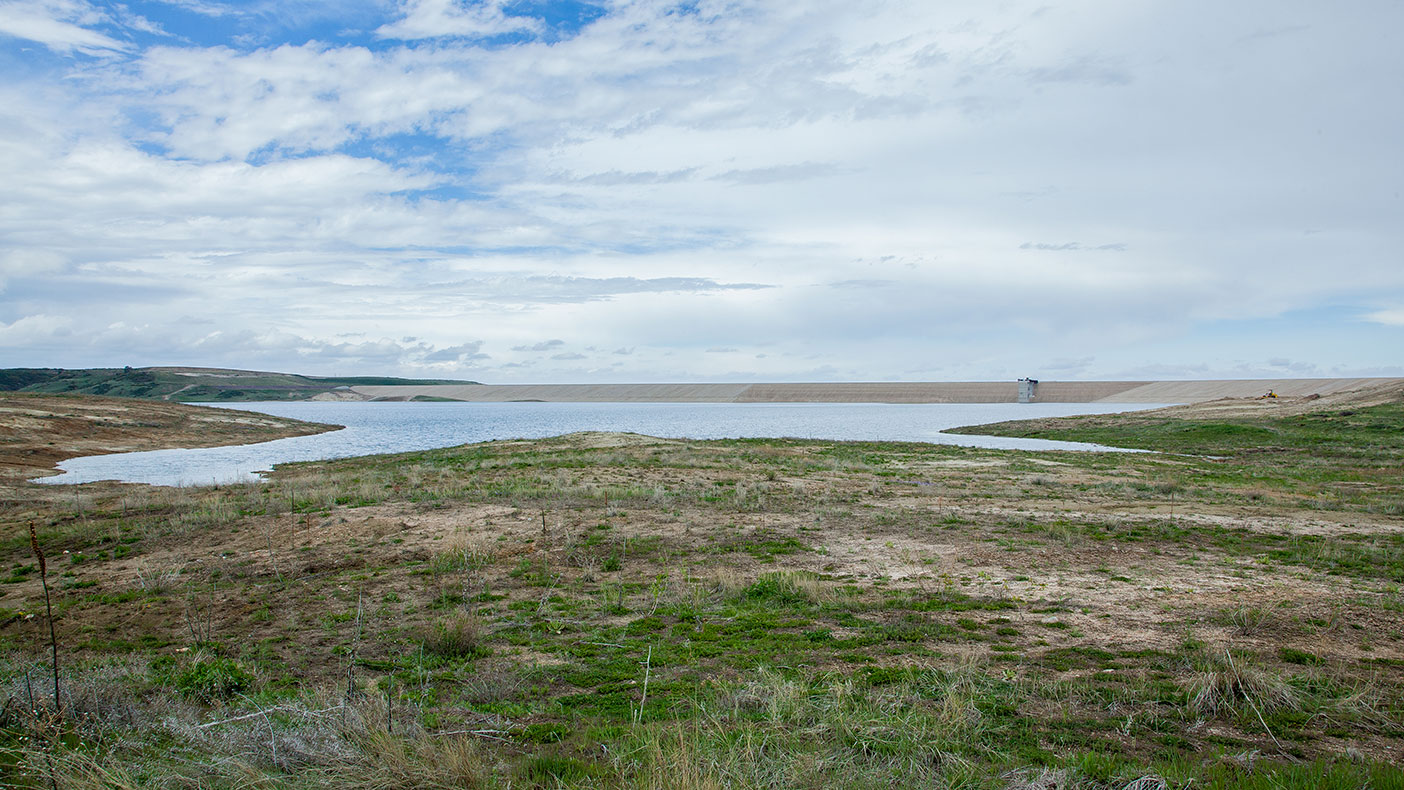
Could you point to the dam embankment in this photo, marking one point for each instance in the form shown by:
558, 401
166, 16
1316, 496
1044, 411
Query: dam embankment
882, 392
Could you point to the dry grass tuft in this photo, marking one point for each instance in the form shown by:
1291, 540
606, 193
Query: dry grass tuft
461, 553
157, 581
458, 635
389, 762
1225, 684
1250, 620
75, 770
673, 764
794, 584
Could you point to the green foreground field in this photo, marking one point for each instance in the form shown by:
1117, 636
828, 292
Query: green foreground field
605, 610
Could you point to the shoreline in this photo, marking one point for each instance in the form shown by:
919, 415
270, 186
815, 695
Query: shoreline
38, 432
369, 434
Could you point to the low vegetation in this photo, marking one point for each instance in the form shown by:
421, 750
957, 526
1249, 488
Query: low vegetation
611, 611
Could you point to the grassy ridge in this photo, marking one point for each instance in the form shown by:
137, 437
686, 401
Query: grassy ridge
195, 387
1372, 433
1332, 459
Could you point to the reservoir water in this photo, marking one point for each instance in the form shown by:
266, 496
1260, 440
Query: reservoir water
398, 427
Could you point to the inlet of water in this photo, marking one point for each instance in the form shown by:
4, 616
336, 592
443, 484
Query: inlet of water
399, 427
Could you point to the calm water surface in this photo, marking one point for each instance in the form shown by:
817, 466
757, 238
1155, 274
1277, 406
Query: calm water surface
398, 427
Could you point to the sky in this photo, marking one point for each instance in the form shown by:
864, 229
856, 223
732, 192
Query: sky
710, 190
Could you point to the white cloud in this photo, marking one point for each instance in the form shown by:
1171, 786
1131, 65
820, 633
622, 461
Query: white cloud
1388, 317
210, 9
545, 345
443, 18
34, 329
60, 26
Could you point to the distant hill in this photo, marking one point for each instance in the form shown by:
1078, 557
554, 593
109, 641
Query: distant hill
198, 385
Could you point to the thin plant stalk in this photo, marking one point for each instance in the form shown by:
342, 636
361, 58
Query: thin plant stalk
48, 609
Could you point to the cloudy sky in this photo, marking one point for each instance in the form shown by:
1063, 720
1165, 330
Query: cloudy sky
650, 190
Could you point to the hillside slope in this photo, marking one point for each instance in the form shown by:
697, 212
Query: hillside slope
191, 384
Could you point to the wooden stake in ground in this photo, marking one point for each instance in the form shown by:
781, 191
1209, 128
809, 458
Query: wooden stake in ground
355, 647
48, 609
389, 704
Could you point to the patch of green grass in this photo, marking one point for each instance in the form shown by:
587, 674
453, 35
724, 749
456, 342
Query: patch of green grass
1292, 655
212, 679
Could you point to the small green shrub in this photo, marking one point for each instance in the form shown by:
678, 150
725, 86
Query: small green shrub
456, 636
213, 679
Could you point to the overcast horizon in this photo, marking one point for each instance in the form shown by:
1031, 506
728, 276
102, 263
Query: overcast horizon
616, 191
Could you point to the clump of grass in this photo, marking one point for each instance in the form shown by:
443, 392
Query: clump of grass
673, 763
776, 697
1235, 685
1361, 705
460, 554
1249, 620
157, 581
491, 685
388, 762
727, 581
459, 635
790, 586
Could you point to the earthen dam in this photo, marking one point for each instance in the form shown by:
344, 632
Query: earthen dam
879, 392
